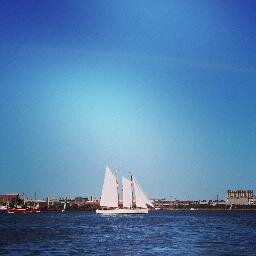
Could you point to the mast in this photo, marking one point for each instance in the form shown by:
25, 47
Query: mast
118, 196
132, 188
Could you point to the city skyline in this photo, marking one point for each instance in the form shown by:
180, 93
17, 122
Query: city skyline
164, 90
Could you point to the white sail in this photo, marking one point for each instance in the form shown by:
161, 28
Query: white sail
109, 195
141, 200
127, 193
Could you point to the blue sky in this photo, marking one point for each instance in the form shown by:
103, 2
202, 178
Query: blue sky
165, 90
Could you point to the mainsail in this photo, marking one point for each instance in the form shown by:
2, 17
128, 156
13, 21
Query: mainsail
109, 195
127, 193
141, 200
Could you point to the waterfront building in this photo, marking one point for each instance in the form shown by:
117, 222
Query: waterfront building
239, 197
52, 201
252, 201
203, 202
171, 204
8, 198
218, 202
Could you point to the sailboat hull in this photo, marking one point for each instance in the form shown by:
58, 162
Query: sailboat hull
122, 211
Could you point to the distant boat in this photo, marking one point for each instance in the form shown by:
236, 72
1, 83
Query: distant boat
22, 210
134, 199
3, 208
64, 207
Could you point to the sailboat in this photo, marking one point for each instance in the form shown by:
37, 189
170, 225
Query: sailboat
64, 207
134, 199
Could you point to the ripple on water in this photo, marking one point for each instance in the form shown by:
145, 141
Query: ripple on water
158, 233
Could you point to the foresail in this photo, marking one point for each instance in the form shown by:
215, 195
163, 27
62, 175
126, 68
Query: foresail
141, 200
127, 193
109, 195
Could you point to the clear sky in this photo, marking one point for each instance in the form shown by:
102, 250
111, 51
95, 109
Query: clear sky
165, 89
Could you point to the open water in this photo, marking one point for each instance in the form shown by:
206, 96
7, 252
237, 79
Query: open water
156, 233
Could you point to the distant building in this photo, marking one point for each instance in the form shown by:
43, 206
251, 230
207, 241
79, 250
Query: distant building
81, 199
252, 201
239, 197
218, 202
203, 202
36, 203
52, 200
164, 203
8, 198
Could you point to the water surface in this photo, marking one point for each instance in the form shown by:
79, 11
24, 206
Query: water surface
156, 233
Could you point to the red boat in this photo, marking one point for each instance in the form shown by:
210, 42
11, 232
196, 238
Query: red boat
22, 210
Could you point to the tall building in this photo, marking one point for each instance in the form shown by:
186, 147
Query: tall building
239, 197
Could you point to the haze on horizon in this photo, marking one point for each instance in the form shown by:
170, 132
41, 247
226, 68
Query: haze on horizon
163, 89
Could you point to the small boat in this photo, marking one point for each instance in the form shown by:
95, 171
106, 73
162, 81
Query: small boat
3, 208
22, 210
17, 210
64, 207
135, 200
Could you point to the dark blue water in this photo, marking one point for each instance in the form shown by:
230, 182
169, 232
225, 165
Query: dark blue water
158, 233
